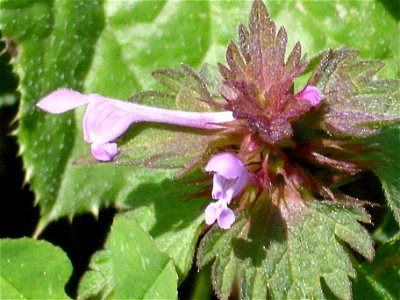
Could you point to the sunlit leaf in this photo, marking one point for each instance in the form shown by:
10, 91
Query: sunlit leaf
109, 48
319, 25
172, 213
131, 268
32, 269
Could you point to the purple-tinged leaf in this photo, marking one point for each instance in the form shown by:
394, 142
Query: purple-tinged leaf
260, 81
359, 104
274, 255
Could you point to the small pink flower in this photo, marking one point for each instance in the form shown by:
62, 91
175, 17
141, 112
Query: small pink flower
230, 178
219, 211
311, 94
106, 119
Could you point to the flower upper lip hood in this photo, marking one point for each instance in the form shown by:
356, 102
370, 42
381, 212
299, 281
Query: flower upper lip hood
61, 101
226, 165
230, 178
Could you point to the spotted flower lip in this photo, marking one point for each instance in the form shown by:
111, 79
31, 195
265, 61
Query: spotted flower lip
106, 119
219, 211
230, 176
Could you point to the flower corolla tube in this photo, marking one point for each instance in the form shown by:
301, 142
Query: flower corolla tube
106, 119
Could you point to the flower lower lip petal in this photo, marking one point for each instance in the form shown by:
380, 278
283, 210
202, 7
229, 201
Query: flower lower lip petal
104, 152
210, 213
226, 218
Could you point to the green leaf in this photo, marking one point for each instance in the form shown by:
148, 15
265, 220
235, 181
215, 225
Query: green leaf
188, 87
32, 269
319, 25
379, 279
132, 266
46, 61
97, 283
172, 213
270, 257
108, 48
386, 165
154, 207
358, 103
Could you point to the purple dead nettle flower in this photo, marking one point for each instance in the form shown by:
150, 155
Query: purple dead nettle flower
106, 119
230, 177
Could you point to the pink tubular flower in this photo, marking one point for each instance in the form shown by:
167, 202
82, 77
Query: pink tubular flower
311, 94
230, 177
106, 119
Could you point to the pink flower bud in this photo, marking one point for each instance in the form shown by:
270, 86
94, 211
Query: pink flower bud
311, 94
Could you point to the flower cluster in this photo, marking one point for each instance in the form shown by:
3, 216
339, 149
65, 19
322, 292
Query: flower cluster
106, 119
284, 143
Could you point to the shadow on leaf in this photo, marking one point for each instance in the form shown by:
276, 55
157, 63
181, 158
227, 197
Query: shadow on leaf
266, 228
168, 206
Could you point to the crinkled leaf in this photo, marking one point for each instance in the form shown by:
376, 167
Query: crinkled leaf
358, 103
380, 278
26, 272
271, 255
188, 87
260, 77
132, 266
319, 25
108, 48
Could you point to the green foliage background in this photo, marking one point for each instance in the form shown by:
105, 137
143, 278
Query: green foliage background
110, 48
